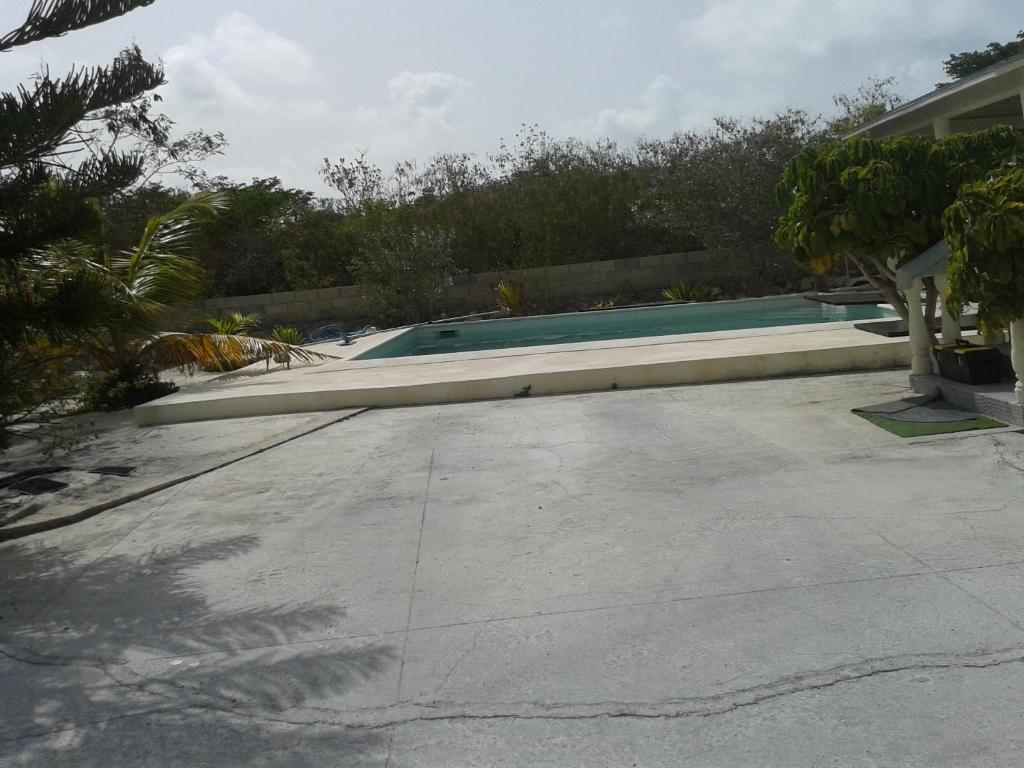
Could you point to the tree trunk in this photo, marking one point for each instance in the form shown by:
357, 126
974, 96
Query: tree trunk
885, 286
931, 301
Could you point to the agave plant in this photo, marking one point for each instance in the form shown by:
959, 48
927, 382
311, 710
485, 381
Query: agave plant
287, 335
232, 324
510, 297
689, 292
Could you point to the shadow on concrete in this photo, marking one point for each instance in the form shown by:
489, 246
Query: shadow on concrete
126, 662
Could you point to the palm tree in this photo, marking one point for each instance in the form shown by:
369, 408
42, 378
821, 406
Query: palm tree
140, 288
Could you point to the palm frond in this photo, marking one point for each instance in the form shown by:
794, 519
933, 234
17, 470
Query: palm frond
169, 234
220, 352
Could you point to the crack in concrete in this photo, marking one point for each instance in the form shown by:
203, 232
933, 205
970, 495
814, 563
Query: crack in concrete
391, 716
1001, 449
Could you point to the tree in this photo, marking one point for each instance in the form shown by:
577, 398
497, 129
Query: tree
46, 182
985, 231
403, 275
718, 186
872, 99
142, 288
141, 285
880, 203
244, 249
960, 65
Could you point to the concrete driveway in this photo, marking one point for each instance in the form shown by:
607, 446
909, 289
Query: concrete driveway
730, 575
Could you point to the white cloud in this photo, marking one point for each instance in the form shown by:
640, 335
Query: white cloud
614, 23
238, 66
422, 115
753, 34
664, 107
269, 97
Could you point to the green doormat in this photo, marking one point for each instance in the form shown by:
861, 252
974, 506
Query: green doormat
921, 416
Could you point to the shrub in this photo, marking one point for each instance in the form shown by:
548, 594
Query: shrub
288, 335
510, 297
129, 385
233, 324
403, 275
685, 292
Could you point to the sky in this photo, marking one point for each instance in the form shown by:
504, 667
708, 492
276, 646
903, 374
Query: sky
291, 82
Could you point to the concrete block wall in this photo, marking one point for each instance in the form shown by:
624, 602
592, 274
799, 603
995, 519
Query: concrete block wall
302, 308
475, 292
587, 280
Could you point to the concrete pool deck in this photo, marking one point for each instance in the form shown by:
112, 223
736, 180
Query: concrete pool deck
730, 576
556, 369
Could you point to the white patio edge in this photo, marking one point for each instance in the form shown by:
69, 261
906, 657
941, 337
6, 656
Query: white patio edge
646, 362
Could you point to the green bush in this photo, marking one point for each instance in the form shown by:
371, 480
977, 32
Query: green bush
689, 292
127, 386
403, 275
286, 334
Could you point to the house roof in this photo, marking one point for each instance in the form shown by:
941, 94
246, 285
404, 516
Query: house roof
934, 261
997, 81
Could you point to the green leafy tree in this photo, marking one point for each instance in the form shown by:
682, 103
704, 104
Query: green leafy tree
404, 274
273, 238
985, 231
141, 286
46, 183
718, 186
880, 203
960, 65
872, 99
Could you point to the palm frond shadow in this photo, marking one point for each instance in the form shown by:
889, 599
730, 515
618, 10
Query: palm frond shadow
134, 641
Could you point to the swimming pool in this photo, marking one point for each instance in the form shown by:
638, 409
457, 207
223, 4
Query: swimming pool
443, 338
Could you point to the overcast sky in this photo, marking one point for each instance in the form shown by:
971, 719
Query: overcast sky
292, 81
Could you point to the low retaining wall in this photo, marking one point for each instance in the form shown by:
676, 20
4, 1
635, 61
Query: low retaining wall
475, 292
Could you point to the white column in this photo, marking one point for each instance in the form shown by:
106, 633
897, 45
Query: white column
950, 324
1017, 356
942, 127
921, 355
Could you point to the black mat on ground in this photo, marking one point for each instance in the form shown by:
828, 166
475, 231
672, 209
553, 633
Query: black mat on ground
922, 416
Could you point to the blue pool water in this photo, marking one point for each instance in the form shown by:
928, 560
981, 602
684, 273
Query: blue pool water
619, 324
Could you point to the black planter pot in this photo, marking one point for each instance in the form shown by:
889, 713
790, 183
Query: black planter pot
969, 363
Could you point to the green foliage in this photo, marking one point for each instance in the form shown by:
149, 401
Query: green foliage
35, 379
288, 335
510, 297
880, 203
689, 292
272, 238
872, 99
403, 275
234, 323
534, 202
126, 386
718, 185
46, 183
960, 65
985, 231
141, 284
